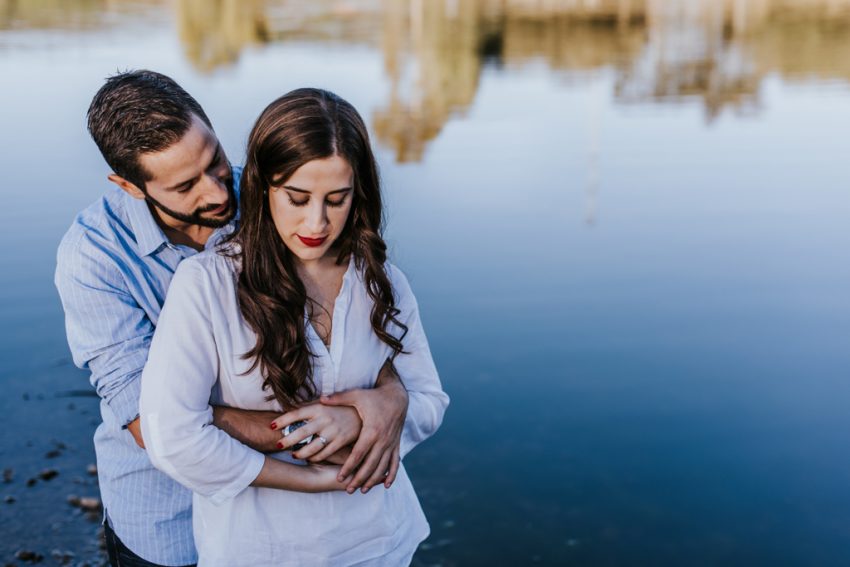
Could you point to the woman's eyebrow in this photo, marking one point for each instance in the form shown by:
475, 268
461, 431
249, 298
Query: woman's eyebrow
297, 190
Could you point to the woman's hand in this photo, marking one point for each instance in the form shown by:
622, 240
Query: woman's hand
323, 478
334, 428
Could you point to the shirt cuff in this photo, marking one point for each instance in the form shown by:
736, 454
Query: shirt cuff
125, 403
253, 466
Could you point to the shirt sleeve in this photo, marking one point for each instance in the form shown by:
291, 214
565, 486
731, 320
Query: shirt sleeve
427, 400
108, 332
182, 369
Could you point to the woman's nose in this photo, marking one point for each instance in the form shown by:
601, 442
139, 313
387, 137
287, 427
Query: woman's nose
317, 219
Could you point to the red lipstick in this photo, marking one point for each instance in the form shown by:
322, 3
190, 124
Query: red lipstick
312, 242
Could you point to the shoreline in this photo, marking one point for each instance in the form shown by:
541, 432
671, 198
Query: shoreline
50, 505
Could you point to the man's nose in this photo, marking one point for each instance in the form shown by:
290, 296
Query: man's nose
215, 189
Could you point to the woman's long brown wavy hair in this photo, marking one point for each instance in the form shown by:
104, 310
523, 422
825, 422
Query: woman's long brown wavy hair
301, 126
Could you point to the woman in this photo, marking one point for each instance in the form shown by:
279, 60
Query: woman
299, 302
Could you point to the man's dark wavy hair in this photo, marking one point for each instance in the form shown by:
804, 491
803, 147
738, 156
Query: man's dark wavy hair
138, 112
299, 127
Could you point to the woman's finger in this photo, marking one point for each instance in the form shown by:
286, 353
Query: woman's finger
290, 417
380, 472
298, 435
395, 461
332, 447
317, 444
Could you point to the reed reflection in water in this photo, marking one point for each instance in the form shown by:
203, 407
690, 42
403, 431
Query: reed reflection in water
714, 52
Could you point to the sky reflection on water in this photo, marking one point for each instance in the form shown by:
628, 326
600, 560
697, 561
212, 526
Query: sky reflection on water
626, 230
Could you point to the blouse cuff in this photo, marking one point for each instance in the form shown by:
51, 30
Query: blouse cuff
253, 465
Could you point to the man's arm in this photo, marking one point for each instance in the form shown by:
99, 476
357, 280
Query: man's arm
251, 427
110, 334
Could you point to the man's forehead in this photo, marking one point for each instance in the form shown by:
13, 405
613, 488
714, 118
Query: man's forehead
184, 159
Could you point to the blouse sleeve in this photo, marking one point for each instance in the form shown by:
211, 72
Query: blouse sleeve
415, 366
177, 381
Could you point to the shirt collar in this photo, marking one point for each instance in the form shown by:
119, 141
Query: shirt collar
149, 237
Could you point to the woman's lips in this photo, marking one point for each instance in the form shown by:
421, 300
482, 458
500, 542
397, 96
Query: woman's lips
312, 242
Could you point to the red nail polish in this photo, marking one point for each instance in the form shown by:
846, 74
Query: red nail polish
274, 425
280, 444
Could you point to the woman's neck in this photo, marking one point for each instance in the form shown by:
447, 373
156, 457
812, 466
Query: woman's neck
313, 270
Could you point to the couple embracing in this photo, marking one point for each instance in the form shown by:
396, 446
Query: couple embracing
265, 419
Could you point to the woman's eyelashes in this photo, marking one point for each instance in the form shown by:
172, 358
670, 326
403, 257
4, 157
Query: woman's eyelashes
329, 202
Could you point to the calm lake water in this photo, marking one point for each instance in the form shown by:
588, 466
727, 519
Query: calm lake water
626, 223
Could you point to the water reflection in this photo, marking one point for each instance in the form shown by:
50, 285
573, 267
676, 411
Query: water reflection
214, 32
713, 52
69, 15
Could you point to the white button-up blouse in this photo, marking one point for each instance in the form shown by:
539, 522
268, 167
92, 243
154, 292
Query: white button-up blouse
196, 360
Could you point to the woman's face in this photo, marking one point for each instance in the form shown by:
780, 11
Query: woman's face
310, 208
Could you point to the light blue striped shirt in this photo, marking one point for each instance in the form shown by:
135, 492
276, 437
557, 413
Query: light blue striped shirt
114, 266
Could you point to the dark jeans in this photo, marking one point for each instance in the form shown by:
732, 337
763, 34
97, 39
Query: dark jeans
119, 554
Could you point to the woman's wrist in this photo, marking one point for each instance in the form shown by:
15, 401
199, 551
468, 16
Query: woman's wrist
298, 478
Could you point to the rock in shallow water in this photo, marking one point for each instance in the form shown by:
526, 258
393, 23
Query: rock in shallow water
48, 474
84, 503
31, 556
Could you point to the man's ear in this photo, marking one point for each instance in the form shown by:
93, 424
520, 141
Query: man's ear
128, 187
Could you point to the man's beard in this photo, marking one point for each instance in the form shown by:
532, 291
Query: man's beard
195, 217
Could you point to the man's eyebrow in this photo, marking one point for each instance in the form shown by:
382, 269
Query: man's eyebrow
215, 158
297, 190
182, 183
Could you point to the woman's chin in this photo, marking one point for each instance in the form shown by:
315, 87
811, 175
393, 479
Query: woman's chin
308, 253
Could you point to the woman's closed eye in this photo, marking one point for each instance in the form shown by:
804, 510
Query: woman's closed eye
303, 202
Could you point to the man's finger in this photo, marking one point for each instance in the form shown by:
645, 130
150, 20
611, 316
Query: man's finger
348, 398
361, 448
380, 472
366, 470
395, 461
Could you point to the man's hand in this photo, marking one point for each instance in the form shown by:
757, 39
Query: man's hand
382, 410
339, 457
338, 426
251, 427
135, 429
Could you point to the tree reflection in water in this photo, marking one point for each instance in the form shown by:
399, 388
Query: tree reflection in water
716, 52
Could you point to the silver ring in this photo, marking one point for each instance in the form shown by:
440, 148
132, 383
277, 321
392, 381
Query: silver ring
323, 440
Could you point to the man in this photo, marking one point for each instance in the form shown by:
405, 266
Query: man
178, 195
